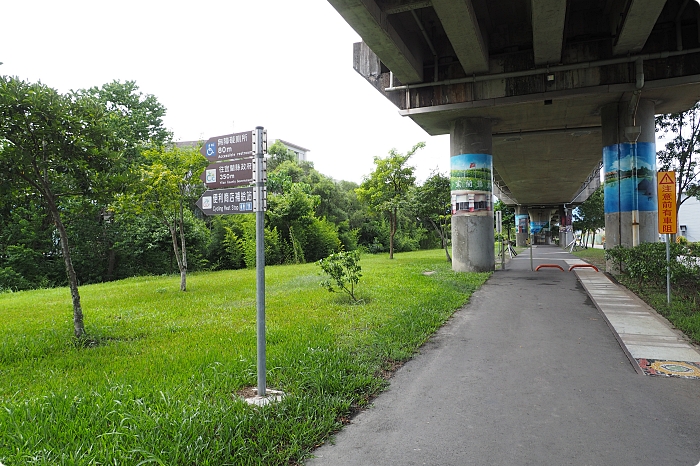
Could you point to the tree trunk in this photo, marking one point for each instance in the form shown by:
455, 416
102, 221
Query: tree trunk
443, 239
78, 325
183, 269
392, 232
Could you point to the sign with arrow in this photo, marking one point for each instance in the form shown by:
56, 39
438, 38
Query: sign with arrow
229, 146
229, 174
227, 201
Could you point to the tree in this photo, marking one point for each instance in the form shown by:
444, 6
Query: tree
386, 188
681, 152
169, 183
507, 216
431, 202
590, 216
277, 154
343, 270
54, 146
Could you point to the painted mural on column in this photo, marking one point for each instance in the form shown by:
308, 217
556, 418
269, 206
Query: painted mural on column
629, 180
471, 178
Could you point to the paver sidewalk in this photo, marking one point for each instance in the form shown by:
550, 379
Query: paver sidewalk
650, 341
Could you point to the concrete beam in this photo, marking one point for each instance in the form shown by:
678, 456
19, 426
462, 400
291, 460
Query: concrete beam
459, 20
548, 19
636, 25
371, 23
400, 6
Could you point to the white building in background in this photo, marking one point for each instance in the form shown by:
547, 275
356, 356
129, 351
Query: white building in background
300, 151
689, 219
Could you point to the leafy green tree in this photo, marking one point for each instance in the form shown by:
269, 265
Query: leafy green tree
277, 154
53, 145
343, 270
681, 153
135, 118
507, 216
169, 185
136, 123
431, 203
386, 189
590, 216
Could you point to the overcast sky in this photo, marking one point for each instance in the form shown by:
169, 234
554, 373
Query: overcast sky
221, 67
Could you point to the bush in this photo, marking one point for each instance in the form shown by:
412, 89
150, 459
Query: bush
12, 281
646, 263
343, 269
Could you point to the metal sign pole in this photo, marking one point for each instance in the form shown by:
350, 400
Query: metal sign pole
529, 238
260, 256
668, 269
499, 230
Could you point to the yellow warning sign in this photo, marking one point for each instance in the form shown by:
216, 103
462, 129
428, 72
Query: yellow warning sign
666, 192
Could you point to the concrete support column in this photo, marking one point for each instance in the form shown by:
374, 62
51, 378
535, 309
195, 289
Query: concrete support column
471, 183
566, 229
540, 224
522, 226
629, 162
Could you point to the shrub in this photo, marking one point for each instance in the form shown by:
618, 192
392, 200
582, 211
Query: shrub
343, 269
646, 263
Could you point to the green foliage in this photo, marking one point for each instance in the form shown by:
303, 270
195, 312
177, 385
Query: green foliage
681, 152
507, 218
644, 272
386, 189
169, 184
590, 216
277, 154
235, 249
344, 272
431, 204
646, 263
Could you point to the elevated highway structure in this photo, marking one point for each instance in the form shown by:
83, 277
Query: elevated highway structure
541, 93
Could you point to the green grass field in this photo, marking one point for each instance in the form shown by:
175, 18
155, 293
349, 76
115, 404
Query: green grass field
157, 384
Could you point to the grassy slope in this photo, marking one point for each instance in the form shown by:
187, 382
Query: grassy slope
158, 384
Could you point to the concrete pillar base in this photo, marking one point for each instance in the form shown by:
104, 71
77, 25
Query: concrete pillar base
521, 229
472, 244
619, 233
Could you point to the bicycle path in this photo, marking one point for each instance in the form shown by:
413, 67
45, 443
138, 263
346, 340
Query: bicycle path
527, 373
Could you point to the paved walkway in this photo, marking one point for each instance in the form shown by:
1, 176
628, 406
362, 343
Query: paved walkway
649, 340
530, 373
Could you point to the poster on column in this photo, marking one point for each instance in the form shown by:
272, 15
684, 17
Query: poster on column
521, 223
629, 177
471, 184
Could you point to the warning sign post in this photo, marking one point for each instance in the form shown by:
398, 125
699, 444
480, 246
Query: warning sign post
666, 191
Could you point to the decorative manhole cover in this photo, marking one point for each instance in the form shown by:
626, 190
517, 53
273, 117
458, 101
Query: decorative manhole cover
687, 370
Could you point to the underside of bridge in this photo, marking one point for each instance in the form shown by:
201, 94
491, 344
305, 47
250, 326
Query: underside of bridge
540, 70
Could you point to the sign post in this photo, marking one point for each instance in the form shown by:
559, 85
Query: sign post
499, 230
260, 146
237, 186
666, 192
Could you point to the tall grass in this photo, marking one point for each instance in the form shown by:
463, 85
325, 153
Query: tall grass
156, 381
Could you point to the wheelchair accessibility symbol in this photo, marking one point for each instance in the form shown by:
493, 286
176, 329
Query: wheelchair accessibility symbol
211, 149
